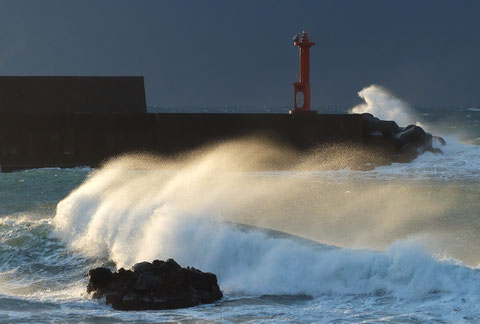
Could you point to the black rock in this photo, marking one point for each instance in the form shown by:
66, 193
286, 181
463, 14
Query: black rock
98, 281
399, 144
156, 285
414, 135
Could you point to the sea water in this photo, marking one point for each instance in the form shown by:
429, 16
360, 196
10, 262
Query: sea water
290, 243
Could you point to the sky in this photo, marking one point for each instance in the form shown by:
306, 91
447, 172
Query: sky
224, 52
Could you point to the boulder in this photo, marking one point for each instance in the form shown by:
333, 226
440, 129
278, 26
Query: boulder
156, 285
401, 144
414, 135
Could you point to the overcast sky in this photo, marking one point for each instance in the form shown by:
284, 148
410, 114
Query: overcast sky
222, 52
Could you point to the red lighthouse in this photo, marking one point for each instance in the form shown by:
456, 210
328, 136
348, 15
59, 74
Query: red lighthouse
302, 88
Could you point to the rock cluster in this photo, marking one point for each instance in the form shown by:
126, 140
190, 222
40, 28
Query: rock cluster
402, 144
156, 285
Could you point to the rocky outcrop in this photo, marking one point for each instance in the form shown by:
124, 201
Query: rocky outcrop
156, 285
400, 144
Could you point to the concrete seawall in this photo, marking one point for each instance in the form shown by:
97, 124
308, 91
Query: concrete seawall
72, 94
69, 140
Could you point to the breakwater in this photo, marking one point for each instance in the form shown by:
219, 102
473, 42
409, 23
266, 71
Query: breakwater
72, 94
87, 139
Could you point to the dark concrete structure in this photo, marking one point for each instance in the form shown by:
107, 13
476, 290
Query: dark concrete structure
69, 140
83, 121
72, 94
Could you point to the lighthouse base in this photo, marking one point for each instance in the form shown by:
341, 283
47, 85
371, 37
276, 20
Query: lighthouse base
302, 112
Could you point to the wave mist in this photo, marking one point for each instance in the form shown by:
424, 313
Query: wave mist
383, 104
139, 208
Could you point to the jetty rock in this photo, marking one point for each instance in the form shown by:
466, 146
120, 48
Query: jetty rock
400, 144
156, 285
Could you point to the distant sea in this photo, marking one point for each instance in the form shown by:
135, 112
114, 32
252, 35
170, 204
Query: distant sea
397, 244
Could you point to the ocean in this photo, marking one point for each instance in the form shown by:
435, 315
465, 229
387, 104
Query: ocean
298, 243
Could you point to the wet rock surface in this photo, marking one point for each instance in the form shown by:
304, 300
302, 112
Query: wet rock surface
156, 285
400, 144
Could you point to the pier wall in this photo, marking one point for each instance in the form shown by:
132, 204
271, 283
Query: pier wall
68, 140
72, 94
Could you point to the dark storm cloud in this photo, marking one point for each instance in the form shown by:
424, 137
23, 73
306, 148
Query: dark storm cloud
240, 52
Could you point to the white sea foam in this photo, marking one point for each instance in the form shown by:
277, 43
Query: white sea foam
459, 161
131, 216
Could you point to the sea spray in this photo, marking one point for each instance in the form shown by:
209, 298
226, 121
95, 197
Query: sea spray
382, 104
140, 208
221, 182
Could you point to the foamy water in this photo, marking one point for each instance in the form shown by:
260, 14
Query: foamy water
134, 210
250, 262
139, 209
